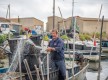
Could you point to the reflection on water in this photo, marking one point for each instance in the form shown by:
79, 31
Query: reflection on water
92, 75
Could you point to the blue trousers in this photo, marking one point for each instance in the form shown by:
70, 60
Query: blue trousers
62, 69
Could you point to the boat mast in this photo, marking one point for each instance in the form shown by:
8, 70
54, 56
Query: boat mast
9, 20
9, 12
98, 77
53, 14
73, 40
72, 13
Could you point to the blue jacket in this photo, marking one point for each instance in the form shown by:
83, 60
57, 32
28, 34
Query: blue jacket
58, 54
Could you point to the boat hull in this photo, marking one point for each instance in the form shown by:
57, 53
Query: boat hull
81, 75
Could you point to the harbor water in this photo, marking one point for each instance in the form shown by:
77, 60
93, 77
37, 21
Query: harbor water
92, 75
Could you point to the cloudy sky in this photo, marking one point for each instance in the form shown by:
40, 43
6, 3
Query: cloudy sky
41, 9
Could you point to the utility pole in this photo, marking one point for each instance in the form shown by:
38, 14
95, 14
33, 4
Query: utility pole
53, 14
18, 19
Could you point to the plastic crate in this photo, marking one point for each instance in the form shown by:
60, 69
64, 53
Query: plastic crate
36, 39
76, 70
12, 44
3, 70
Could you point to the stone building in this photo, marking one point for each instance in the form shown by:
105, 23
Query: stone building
4, 19
91, 25
6, 25
86, 25
49, 25
29, 22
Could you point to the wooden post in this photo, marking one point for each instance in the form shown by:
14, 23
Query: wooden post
28, 69
41, 68
37, 72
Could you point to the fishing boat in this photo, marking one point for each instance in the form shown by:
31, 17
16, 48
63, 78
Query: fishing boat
30, 60
86, 53
104, 48
31, 55
80, 46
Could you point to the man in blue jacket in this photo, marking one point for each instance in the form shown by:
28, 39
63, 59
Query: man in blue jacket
56, 48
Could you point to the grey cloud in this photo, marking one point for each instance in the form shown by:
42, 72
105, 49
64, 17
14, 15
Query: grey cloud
41, 9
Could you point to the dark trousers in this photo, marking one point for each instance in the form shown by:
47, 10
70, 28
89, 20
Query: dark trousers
62, 69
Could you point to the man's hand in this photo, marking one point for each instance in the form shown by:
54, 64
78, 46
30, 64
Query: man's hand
49, 49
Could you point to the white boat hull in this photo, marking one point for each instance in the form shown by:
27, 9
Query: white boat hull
105, 49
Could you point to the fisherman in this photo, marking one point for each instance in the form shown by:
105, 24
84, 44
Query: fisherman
56, 48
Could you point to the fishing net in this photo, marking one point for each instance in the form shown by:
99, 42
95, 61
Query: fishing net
32, 53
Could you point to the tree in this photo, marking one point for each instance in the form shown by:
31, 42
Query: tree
87, 36
3, 37
104, 36
81, 36
97, 35
65, 37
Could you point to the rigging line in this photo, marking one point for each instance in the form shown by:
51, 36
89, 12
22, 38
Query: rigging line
64, 27
97, 25
62, 20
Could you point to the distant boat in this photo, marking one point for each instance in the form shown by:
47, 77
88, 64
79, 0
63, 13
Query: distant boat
80, 46
86, 53
105, 46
